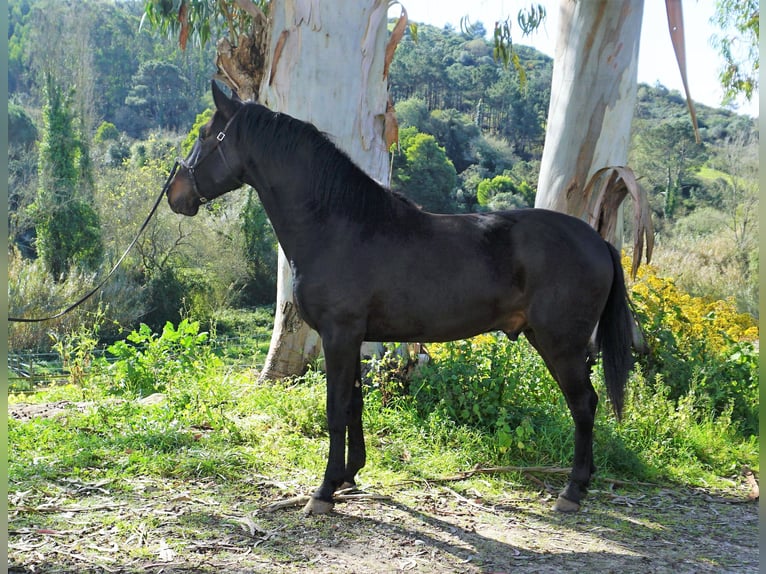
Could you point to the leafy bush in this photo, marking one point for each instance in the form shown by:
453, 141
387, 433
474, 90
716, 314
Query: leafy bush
700, 344
680, 439
494, 384
201, 119
106, 131
147, 363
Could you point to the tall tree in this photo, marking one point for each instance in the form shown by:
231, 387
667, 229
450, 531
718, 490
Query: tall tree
319, 61
593, 94
154, 95
68, 229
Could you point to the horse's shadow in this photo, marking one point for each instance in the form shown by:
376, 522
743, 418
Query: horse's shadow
611, 534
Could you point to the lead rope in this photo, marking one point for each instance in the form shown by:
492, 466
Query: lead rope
114, 268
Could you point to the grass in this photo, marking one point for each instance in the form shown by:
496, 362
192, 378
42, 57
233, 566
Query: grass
218, 424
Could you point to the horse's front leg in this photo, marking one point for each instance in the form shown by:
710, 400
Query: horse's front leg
342, 363
356, 450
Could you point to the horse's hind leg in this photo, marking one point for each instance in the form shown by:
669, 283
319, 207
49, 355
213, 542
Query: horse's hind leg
571, 369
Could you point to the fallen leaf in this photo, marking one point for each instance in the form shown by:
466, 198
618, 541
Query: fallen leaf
165, 552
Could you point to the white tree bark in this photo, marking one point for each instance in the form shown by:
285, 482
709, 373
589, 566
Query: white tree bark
593, 96
327, 61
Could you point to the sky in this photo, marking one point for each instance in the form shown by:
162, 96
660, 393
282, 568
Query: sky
656, 59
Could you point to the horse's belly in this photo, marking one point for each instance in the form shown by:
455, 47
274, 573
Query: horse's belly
435, 320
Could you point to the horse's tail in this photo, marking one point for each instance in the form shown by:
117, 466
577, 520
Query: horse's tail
615, 336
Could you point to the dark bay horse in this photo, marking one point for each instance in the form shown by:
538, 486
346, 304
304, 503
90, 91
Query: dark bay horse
370, 265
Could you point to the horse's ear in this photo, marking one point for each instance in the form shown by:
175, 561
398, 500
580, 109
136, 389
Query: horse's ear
223, 103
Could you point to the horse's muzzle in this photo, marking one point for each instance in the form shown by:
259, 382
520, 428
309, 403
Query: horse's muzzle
180, 197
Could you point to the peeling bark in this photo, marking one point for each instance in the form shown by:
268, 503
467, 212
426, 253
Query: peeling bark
242, 66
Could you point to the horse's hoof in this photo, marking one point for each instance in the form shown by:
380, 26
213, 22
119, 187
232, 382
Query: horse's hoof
316, 506
347, 486
565, 505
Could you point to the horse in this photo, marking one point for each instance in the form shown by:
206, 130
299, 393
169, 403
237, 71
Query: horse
370, 265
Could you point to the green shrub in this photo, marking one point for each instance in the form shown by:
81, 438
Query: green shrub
106, 131
147, 363
33, 292
499, 386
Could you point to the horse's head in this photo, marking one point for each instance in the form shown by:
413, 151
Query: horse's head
214, 164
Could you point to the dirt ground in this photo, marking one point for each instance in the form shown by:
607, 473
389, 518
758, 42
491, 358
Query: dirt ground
164, 527
170, 527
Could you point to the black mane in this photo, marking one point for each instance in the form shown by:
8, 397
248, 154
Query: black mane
336, 185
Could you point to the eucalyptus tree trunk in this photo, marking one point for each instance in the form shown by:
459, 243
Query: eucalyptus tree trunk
593, 96
326, 66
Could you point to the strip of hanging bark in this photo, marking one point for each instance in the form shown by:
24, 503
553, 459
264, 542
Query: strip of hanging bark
390, 126
676, 27
393, 41
616, 182
277, 53
183, 18
252, 9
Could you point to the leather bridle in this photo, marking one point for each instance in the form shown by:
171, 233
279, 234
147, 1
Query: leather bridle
216, 147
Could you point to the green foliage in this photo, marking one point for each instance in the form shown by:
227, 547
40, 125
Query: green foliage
165, 292
201, 119
154, 97
494, 384
76, 349
201, 21
59, 145
147, 363
455, 132
260, 253
21, 129
445, 70
681, 439
739, 22
423, 172
106, 131
33, 292
67, 236
667, 155
518, 194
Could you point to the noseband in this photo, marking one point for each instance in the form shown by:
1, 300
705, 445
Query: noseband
216, 147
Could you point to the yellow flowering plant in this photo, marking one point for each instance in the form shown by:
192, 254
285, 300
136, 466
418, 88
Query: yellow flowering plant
698, 343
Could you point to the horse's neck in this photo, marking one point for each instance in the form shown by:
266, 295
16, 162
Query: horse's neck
285, 203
